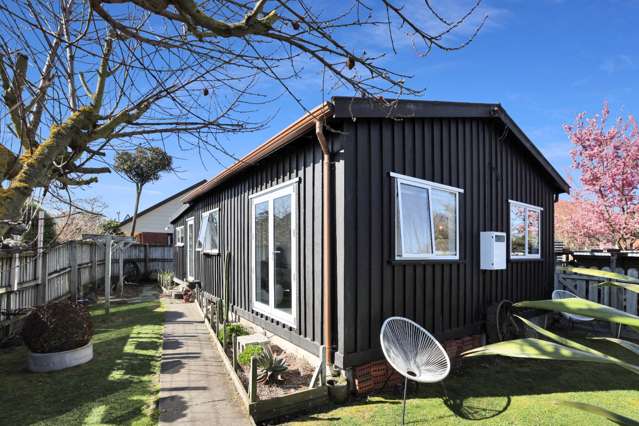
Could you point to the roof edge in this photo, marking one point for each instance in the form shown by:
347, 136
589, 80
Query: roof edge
294, 130
162, 202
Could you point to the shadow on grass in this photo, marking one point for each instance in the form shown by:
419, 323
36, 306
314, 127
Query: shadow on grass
116, 387
484, 387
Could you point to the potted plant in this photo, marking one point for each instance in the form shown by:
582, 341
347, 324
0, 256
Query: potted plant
58, 336
337, 389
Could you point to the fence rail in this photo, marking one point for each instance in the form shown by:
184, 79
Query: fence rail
28, 278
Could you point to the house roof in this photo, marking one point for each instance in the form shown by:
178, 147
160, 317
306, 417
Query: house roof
353, 107
161, 203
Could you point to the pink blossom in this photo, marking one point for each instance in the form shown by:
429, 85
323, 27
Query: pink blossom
605, 209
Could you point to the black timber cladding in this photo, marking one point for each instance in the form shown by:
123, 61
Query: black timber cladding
301, 159
449, 298
475, 147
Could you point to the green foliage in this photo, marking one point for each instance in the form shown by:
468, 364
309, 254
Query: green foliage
232, 329
110, 227
583, 307
607, 275
270, 367
144, 165
165, 278
249, 352
57, 327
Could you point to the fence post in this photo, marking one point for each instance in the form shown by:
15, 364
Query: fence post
146, 260
121, 268
15, 270
616, 295
41, 271
107, 274
44, 280
73, 272
94, 267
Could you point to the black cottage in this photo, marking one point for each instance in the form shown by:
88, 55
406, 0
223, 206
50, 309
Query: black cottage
434, 211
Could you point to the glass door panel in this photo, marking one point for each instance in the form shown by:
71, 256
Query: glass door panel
261, 256
282, 254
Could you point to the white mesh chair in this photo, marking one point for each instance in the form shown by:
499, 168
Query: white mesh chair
413, 352
565, 294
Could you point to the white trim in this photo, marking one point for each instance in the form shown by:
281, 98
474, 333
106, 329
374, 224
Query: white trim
206, 213
179, 230
268, 196
526, 208
275, 188
400, 253
530, 206
426, 183
188, 254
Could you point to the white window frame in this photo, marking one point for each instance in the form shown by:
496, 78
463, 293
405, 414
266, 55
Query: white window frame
526, 207
190, 274
179, 236
421, 183
286, 188
202, 220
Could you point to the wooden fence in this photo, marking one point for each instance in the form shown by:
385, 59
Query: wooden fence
28, 278
589, 288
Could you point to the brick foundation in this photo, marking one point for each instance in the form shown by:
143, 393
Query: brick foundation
377, 374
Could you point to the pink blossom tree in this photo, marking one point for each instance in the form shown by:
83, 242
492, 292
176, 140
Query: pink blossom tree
605, 208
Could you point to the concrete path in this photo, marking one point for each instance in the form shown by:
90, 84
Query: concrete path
194, 386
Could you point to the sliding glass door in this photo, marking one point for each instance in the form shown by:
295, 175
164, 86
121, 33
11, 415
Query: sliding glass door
190, 248
273, 248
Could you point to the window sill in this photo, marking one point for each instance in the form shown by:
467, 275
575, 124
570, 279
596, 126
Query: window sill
424, 261
525, 259
179, 245
210, 252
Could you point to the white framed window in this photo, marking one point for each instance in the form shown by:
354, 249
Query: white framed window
208, 239
179, 236
274, 252
190, 248
525, 230
426, 219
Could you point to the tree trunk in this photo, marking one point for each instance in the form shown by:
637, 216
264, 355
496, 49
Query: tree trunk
38, 167
138, 193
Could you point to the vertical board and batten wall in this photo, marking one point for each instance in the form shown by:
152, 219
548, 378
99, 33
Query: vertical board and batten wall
301, 159
447, 297
32, 288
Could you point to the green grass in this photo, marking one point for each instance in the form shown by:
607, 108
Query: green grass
503, 391
119, 386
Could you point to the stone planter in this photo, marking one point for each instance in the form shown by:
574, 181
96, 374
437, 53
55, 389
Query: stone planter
41, 363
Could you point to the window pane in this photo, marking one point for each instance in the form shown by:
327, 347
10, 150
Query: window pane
201, 236
533, 232
214, 225
261, 252
415, 219
445, 222
282, 253
517, 230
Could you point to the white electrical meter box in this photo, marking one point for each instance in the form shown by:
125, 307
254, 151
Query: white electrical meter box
493, 250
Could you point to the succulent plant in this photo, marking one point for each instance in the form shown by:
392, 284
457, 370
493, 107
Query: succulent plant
270, 367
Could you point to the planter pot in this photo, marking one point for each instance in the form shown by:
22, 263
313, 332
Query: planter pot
337, 392
41, 363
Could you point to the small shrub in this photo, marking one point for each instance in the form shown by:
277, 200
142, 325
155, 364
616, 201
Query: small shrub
57, 327
249, 352
232, 329
270, 367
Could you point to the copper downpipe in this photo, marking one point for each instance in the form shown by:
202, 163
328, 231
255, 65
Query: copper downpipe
327, 227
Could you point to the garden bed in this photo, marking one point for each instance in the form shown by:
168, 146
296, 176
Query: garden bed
270, 401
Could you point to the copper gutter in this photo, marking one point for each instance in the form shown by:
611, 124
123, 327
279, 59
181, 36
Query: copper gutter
326, 237
289, 134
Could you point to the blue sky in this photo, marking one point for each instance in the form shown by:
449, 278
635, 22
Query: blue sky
544, 61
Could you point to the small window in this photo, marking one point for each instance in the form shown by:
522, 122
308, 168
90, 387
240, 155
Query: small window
208, 240
525, 231
426, 219
179, 236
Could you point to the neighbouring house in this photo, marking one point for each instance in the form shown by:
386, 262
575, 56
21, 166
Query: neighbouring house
412, 192
154, 223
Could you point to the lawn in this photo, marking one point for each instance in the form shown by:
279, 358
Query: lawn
503, 391
119, 386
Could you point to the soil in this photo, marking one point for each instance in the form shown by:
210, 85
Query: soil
296, 378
